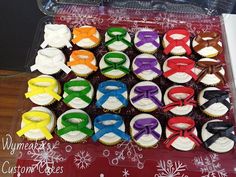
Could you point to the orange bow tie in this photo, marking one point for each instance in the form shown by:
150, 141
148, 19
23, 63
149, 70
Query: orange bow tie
85, 32
76, 55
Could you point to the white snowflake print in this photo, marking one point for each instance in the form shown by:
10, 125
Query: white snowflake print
125, 173
210, 166
45, 156
170, 168
82, 159
126, 150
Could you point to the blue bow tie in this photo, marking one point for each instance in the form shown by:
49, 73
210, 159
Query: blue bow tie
121, 88
104, 129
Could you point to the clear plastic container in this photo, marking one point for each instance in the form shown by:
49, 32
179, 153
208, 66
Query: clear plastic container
127, 159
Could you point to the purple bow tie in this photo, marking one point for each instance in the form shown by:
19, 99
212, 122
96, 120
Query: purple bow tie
146, 92
144, 64
147, 37
145, 127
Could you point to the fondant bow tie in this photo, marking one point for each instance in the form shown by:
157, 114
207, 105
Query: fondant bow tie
82, 94
71, 126
149, 92
213, 42
77, 59
56, 61
215, 96
36, 89
219, 129
117, 37
177, 42
178, 132
145, 64
117, 93
209, 67
115, 65
41, 124
113, 128
147, 37
180, 65
83, 33
180, 102
146, 126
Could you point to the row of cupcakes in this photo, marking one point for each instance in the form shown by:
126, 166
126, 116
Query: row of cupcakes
175, 41
75, 126
112, 95
115, 65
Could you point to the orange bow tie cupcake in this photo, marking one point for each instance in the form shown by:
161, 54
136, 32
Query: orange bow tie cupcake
86, 37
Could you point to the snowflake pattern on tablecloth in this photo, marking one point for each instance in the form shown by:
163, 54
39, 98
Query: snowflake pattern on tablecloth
170, 168
126, 150
125, 173
210, 166
82, 160
45, 156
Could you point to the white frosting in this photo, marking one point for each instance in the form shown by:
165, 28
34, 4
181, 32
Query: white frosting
178, 77
73, 136
112, 103
210, 79
147, 47
182, 143
87, 42
222, 144
146, 140
206, 51
78, 103
81, 69
145, 104
50, 61
146, 74
178, 50
56, 35
115, 72
178, 110
216, 109
37, 134
117, 45
110, 138
44, 98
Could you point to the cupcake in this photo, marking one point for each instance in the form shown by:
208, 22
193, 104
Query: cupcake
114, 65
112, 95
146, 96
147, 41
117, 39
207, 44
179, 100
146, 67
86, 37
218, 136
210, 71
56, 35
109, 129
43, 90
179, 69
181, 134
78, 93
37, 124
214, 102
50, 61
74, 126
145, 130
82, 62
177, 42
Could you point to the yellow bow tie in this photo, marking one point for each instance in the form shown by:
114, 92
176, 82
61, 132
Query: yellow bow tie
35, 124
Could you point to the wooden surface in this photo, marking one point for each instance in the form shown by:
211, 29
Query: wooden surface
12, 85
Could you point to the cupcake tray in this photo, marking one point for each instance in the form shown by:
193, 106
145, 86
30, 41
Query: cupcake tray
90, 159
